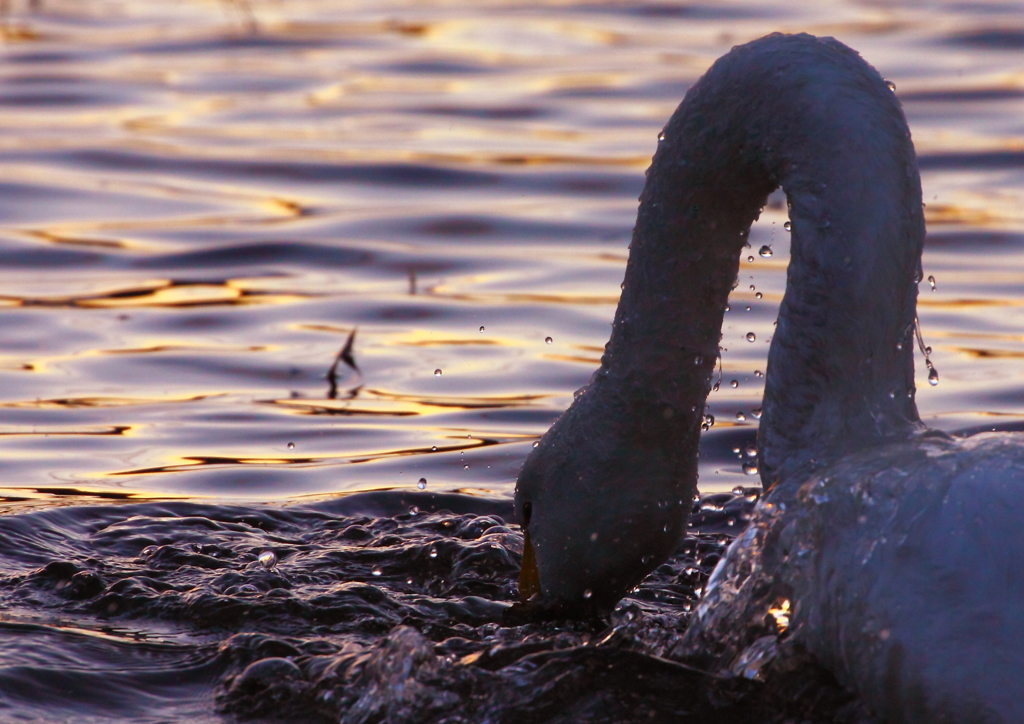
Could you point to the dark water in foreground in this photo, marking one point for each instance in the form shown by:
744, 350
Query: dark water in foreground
376, 607
200, 201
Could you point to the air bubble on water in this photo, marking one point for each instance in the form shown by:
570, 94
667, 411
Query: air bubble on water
751, 336
422, 484
267, 559
788, 226
437, 372
548, 340
765, 251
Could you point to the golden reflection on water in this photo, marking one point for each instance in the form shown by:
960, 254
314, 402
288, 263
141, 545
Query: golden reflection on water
202, 200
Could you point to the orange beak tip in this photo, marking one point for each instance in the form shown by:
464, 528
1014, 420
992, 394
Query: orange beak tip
529, 578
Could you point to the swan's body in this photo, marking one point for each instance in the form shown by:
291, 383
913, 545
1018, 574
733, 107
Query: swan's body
901, 570
911, 592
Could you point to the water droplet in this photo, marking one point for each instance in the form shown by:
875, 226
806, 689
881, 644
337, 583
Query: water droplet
891, 85
661, 137
714, 387
734, 383
149, 550
899, 346
758, 295
750, 258
765, 251
433, 448
727, 307
740, 416
548, 340
536, 443
788, 226
709, 422
465, 467
736, 450
756, 413
291, 446
267, 559
587, 594
750, 468
432, 553
698, 359
437, 372
758, 373
931, 280
933, 376
622, 286
927, 350
748, 307
422, 484
751, 336
376, 572
481, 328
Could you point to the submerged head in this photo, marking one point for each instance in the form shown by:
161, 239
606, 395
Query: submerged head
603, 499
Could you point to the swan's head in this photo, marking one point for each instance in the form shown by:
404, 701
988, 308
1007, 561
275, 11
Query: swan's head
603, 500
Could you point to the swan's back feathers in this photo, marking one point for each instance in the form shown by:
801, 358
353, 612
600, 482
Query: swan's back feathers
904, 567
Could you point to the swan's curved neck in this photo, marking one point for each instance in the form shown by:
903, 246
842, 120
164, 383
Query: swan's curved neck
816, 120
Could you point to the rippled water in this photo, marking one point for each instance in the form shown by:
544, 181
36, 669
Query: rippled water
199, 203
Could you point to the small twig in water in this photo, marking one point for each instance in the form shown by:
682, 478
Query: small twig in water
346, 356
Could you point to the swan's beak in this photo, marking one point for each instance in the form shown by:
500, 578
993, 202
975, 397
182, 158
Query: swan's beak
529, 579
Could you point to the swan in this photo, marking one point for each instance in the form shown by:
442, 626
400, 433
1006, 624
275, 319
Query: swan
892, 553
